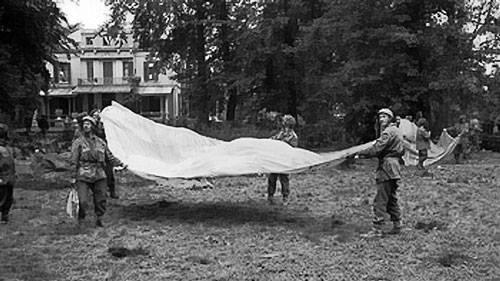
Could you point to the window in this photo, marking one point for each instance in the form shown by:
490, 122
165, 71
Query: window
106, 40
63, 73
128, 69
150, 71
108, 72
90, 71
89, 41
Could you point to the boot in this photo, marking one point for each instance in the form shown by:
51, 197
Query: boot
112, 193
270, 199
286, 201
4, 219
375, 232
396, 228
98, 222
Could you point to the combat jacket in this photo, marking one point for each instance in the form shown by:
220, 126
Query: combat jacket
7, 166
89, 154
389, 150
287, 135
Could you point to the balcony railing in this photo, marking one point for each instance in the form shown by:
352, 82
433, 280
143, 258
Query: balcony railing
105, 81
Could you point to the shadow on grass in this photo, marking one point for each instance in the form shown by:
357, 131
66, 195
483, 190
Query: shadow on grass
227, 214
41, 184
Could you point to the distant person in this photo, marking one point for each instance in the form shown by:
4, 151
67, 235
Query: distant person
419, 115
389, 149
89, 153
288, 135
422, 142
7, 176
460, 130
43, 124
475, 132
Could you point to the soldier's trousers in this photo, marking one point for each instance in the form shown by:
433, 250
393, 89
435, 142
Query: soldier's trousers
98, 189
285, 184
386, 201
6, 198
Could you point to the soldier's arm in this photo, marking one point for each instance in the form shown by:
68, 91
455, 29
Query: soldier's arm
112, 159
293, 140
379, 146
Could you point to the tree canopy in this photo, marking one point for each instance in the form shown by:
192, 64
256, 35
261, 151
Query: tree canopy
30, 33
324, 60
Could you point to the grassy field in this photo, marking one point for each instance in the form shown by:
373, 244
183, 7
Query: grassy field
174, 231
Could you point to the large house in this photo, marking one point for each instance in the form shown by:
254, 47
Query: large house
103, 69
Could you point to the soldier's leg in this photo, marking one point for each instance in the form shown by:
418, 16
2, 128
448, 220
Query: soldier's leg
393, 207
285, 186
271, 186
99, 189
392, 204
380, 202
6, 200
83, 198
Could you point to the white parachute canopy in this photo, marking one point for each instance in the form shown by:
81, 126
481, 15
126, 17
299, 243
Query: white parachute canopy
153, 149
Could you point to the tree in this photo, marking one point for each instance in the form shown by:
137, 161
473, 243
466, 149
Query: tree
410, 55
192, 38
30, 32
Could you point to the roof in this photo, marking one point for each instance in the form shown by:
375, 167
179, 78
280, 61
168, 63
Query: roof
105, 89
157, 90
59, 92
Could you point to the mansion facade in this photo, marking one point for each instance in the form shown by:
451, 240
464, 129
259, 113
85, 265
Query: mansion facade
102, 70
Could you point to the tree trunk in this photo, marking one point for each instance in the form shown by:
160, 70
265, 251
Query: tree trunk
201, 90
231, 105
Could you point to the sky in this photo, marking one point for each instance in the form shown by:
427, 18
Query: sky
91, 13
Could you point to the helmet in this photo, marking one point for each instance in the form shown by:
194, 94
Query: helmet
387, 112
289, 120
90, 119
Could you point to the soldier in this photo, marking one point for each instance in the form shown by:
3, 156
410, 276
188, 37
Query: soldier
422, 142
288, 135
389, 149
89, 153
7, 176
462, 131
110, 176
475, 132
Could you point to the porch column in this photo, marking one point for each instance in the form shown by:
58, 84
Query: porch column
162, 108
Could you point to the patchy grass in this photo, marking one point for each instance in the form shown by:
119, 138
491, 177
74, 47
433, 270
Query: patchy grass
173, 232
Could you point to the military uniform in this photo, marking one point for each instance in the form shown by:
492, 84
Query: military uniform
461, 130
289, 136
90, 155
389, 151
475, 134
7, 180
423, 145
